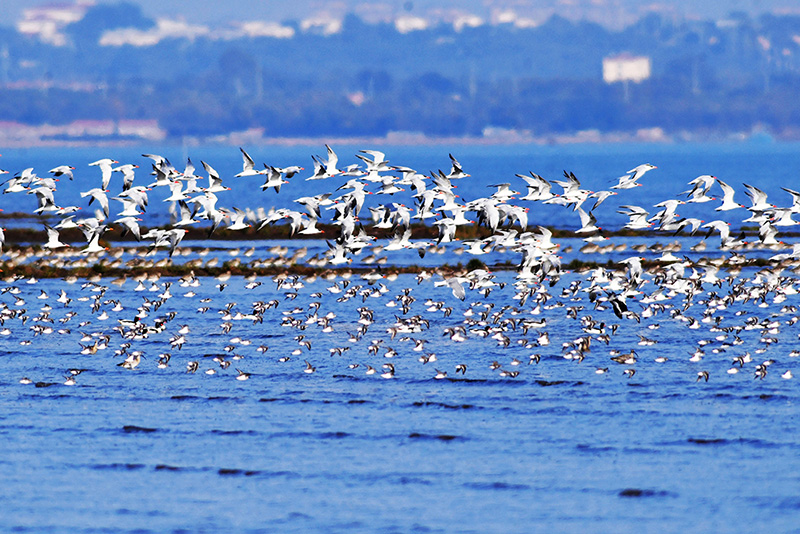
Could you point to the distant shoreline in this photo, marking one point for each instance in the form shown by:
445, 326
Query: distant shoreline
256, 138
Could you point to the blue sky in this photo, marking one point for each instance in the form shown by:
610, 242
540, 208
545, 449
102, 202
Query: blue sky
214, 11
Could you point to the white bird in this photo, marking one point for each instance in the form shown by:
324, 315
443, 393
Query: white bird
186, 215
724, 232
237, 217
63, 170
637, 217
53, 241
332, 161
767, 233
447, 230
290, 171
274, 179
377, 164
94, 242
138, 194
170, 238
130, 224
176, 192
783, 217
313, 204
325, 169
44, 197
630, 180
456, 285
701, 185
504, 192
588, 223
99, 195
538, 187
105, 167
248, 165
129, 207
727, 198
214, 181
128, 174
758, 199
388, 186
456, 171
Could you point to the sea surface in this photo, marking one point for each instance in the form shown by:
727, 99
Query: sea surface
545, 444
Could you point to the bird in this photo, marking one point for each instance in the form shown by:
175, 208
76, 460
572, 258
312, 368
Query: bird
727, 198
456, 284
325, 169
63, 170
53, 240
128, 174
242, 376
105, 167
248, 166
98, 194
630, 180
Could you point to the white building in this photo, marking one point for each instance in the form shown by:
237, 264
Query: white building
625, 68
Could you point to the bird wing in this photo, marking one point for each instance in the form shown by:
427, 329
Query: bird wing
247, 162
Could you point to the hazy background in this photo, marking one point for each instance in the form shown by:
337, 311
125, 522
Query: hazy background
213, 11
500, 71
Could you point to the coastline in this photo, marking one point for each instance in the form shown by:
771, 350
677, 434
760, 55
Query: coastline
20, 136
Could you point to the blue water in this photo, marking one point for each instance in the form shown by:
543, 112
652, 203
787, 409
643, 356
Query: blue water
556, 448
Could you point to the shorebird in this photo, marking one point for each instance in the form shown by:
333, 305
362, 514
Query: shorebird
248, 166
630, 180
63, 170
53, 241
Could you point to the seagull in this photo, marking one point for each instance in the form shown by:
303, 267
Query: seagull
456, 171
637, 217
237, 219
63, 170
53, 241
214, 181
130, 224
274, 179
248, 166
538, 187
325, 169
456, 285
699, 193
377, 164
127, 174
630, 180
588, 223
727, 198
176, 192
99, 195
759, 202
105, 167
242, 376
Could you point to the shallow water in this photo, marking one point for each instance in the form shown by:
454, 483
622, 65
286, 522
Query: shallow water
556, 448
559, 447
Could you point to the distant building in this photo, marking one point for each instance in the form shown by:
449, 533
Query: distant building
626, 68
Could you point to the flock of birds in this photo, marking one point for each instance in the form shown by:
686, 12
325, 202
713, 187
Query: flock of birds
598, 306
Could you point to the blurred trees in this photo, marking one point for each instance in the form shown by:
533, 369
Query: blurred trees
723, 76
